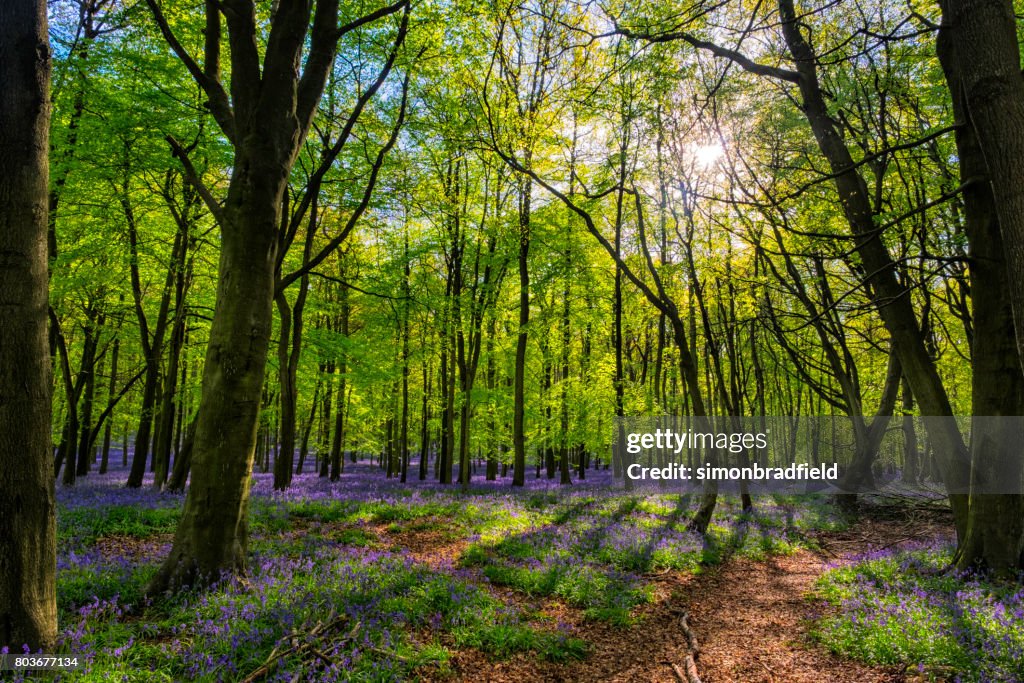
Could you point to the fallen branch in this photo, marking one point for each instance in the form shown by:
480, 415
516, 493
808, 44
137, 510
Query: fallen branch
687, 673
691, 637
297, 647
390, 653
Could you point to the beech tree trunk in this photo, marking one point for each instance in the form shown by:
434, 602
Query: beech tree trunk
111, 387
266, 117
982, 72
28, 543
979, 49
213, 532
338, 442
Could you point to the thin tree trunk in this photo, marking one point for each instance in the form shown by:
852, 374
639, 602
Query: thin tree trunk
519, 381
308, 429
87, 377
338, 443
183, 459
168, 409
404, 435
425, 422
111, 387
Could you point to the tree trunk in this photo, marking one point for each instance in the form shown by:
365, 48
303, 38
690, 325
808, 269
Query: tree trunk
890, 297
425, 423
28, 545
404, 434
111, 387
212, 536
287, 380
326, 417
338, 443
183, 459
618, 381
978, 80
307, 429
563, 446
87, 382
66, 450
519, 382
289, 349
169, 407
978, 45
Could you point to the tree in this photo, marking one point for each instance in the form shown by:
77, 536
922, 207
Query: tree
977, 46
979, 49
28, 545
266, 116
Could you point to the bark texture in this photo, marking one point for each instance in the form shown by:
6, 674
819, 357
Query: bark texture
28, 542
981, 65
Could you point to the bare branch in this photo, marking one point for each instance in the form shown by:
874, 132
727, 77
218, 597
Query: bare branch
364, 202
739, 59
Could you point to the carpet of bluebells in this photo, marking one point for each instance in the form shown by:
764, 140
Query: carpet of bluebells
332, 594
904, 606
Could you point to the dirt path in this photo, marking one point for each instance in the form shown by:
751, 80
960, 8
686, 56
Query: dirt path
751, 619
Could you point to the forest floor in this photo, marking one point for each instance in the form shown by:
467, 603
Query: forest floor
751, 618
367, 579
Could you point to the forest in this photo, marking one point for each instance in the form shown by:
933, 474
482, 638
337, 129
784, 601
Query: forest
323, 324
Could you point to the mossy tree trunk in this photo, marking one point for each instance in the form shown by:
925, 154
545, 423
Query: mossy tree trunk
266, 117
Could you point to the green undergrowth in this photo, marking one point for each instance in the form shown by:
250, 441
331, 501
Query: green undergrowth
907, 608
389, 616
315, 561
84, 525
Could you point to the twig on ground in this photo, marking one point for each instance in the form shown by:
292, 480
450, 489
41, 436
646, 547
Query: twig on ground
297, 647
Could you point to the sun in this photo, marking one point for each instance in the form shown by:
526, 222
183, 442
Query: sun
707, 155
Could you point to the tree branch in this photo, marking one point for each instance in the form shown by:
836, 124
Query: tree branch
313, 185
193, 178
739, 59
364, 202
219, 104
